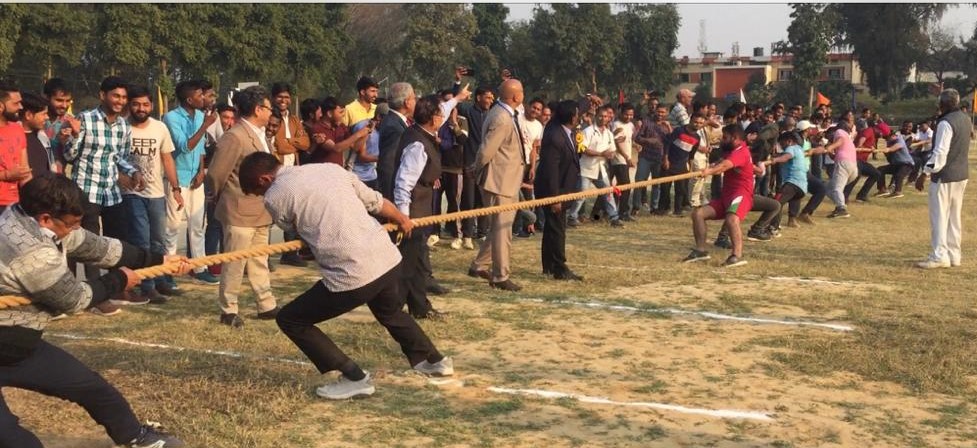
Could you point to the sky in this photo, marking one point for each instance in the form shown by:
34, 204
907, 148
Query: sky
750, 24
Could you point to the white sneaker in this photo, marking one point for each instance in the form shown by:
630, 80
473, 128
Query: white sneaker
444, 367
456, 244
346, 388
469, 244
433, 241
930, 264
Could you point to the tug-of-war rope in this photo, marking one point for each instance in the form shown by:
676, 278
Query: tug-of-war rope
10, 301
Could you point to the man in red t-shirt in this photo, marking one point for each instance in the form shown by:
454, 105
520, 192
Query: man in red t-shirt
330, 137
14, 169
735, 201
864, 145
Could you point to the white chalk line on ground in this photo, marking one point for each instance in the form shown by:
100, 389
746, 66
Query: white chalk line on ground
811, 280
225, 353
706, 314
720, 413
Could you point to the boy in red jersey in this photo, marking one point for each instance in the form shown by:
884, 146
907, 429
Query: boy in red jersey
735, 201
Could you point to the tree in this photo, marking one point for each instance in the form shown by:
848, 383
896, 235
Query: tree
492, 29
887, 38
54, 35
11, 16
582, 41
970, 60
809, 38
942, 53
370, 53
650, 37
432, 51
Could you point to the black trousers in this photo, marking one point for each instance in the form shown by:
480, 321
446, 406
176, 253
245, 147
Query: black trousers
298, 321
681, 190
54, 372
114, 222
872, 176
898, 171
768, 207
452, 184
817, 190
471, 198
623, 176
789, 194
554, 248
415, 270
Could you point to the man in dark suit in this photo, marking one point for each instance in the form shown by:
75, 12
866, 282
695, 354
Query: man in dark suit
392, 127
558, 173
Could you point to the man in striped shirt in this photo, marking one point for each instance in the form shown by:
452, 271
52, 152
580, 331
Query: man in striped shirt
99, 158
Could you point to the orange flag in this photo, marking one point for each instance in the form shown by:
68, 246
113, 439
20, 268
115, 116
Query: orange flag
823, 100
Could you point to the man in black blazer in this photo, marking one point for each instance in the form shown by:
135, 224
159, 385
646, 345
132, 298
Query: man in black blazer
402, 101
558, 173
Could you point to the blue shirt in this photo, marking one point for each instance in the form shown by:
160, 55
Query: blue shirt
182, 126
367, 172
901, 156
795, 169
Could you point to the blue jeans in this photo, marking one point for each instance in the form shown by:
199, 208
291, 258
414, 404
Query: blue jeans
646, 169
590, 184
147, 227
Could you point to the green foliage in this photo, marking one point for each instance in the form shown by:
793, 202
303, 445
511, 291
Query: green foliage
810, 35
650, 38
492, 29
53, 34
703, 91
432, 51
11, 15
582, 41
888, 39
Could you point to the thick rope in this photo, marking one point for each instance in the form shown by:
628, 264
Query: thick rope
448, 217
163, 269
10, 301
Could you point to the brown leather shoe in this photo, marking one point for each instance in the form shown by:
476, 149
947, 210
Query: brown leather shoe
105, 308
126, 298
506, 285
479, 274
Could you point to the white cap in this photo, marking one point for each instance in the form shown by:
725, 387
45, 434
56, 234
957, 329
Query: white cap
804, 125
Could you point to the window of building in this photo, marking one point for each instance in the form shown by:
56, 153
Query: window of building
705, 76
836, 73
785, 74
683, 77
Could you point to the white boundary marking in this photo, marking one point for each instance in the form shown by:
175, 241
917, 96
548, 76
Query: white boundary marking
225, 353
720, 413
706, 314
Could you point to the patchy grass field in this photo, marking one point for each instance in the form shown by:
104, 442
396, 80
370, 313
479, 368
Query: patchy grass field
906, 375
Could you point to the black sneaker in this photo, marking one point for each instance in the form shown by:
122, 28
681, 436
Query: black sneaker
723, 242
733, 261
153, 437
435, 288
270, 314
840, 213
696, 255
168, 289
232, 320
758, 235
293, 259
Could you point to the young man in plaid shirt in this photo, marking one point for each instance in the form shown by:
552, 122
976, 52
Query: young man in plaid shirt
99, 159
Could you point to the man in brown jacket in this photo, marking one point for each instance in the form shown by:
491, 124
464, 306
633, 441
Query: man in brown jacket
291, 137
499, 167
245, 221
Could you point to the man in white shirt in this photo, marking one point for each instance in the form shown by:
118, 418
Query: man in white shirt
357, 262
621, 164
949, 170
599, 148
532, 134
152, 153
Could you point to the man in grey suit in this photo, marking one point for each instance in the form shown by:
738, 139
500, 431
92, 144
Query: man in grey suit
245, 221
402, 101
499, 172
